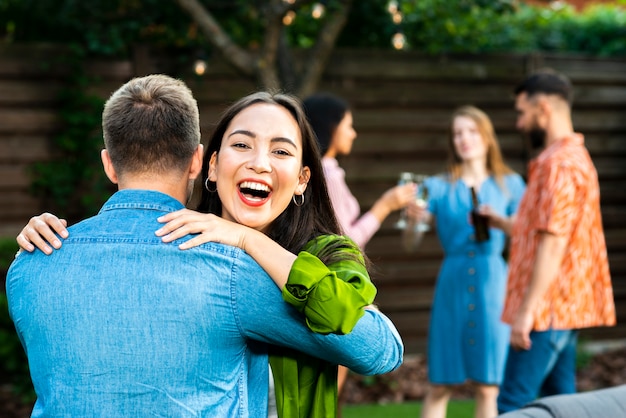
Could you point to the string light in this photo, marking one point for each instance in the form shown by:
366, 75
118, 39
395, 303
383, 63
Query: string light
318, 10
289, 18
397, 18
398, 41
199, 67
289, 1
392, 7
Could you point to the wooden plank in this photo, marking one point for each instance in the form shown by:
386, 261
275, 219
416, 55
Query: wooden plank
583, 69
20, 148
411, 65
18, 205
34, 93
32, 61
14, 176
28, 121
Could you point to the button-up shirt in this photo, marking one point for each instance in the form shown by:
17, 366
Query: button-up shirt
562, 198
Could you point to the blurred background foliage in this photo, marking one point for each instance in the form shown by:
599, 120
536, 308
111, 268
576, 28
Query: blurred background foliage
112, 27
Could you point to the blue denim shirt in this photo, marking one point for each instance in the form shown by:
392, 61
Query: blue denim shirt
119, 324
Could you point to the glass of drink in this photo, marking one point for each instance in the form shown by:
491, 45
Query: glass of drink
405, 178
421, 199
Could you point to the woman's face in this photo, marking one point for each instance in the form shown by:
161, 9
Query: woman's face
343, 137
468, 142
258, 168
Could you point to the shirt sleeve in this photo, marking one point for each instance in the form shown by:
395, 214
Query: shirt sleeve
332, 298
360, 228
373, 347
557, 209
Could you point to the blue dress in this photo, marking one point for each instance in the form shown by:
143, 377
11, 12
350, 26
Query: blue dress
466, 338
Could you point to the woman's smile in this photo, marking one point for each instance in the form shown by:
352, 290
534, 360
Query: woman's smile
254, 193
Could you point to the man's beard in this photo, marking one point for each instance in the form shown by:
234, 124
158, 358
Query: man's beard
536, 138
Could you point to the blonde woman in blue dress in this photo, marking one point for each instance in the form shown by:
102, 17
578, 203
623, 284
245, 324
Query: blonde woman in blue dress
467, 341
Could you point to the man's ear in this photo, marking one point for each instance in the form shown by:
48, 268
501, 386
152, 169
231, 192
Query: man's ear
196, 163
109, 170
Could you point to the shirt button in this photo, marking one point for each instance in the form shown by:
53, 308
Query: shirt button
471, 289
471, 324
471, 307
471, 271
471, 341
470, 254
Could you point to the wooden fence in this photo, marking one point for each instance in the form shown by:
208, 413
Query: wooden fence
402, 104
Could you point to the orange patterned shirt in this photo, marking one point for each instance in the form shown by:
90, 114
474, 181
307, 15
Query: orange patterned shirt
562, 198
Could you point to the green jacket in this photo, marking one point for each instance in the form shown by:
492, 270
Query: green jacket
332, 298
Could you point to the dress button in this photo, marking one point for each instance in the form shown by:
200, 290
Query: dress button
471, 289
471, 341
471, 324
470, 254
471, 271
471, 307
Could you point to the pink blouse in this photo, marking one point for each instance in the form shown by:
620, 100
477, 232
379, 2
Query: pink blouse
347, 209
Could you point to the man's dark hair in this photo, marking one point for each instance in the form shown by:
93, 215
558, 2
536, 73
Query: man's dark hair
546, 82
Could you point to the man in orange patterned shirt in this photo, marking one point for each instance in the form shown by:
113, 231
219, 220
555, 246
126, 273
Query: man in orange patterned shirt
559, 277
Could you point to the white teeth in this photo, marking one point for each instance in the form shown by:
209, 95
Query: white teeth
254, 186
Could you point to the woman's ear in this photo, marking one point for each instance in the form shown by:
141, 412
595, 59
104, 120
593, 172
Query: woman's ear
212, 174
303, 180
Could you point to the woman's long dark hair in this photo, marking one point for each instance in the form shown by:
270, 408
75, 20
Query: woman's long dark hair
325, 111
297, 225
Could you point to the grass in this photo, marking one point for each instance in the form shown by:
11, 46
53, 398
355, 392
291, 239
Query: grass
456, 409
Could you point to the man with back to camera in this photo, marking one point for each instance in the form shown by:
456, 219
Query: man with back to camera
559, 278
117, 323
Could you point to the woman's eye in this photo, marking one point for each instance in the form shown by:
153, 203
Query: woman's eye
282, 152
240, 145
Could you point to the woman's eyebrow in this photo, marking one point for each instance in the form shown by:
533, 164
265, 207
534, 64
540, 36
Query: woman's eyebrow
273, 140
283, 139
242, 132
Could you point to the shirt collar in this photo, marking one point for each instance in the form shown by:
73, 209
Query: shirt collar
142, 199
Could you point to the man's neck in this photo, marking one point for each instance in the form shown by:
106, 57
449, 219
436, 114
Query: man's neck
561, 127
166, 185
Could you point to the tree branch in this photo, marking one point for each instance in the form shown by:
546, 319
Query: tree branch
318, 58
238, 57
268, 71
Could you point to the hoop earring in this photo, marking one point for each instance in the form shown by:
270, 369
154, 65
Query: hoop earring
206, 186
295, 201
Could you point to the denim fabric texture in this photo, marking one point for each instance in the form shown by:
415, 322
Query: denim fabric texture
548, 368
118, 324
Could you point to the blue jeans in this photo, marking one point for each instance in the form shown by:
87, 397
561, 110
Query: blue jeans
548, 368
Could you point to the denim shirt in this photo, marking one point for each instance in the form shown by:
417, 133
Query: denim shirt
119, 324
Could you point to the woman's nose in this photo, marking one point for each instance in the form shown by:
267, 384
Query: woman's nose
259, 162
